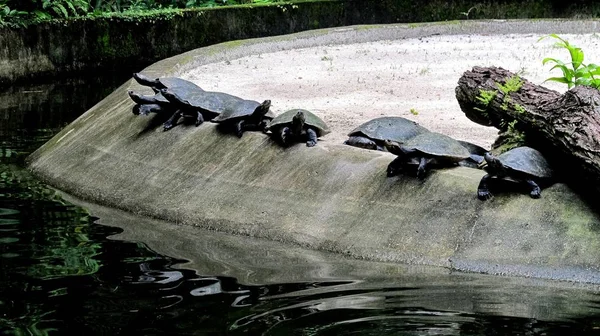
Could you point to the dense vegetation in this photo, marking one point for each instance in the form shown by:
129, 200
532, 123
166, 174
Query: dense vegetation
22, 12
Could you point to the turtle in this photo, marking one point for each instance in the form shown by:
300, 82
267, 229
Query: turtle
372, 133
201, 105
523, 165
157, 102
425, 150
297, 125
156, 84
476, 158
247, 115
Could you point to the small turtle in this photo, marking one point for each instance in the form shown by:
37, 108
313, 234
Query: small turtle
523, 165
372, 133
297, 125
424, 151
247, 115
476, 157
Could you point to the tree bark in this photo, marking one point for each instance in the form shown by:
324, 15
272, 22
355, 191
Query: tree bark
565, 127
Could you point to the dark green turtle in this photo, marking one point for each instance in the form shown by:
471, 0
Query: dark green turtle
523, 165
476, 157
247, 115
425, 151
372, 133
157, 84
200, 105
157, 103
297, 125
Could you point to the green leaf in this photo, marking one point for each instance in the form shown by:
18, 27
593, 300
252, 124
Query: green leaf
559, 79
576, 57
60, 9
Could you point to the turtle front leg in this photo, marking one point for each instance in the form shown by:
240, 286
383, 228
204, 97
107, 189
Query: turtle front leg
285, 136
395, 167
239, 128
172, 121
312, 137
199, 118
422, 169
535, 190
483, 191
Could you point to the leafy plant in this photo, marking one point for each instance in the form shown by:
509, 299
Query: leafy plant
574, 72
512, 84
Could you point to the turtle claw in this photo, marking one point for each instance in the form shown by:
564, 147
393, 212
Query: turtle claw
311, 143
535, 194
484, 194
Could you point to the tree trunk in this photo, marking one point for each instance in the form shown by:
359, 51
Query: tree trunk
565, 127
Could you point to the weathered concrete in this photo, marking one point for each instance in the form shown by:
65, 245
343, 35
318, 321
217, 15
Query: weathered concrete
332, 197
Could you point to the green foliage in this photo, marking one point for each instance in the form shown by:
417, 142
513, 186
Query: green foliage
21, 13
486, 96
512, 84
575, 72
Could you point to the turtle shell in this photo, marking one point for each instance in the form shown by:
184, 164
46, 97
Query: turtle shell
526, 160
176, 84
437, 145
285, 119
210, 102
242, 109
392, 128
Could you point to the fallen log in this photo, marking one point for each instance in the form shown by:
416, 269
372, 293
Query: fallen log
565, 127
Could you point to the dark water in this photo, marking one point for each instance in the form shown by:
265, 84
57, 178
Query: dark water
61, 273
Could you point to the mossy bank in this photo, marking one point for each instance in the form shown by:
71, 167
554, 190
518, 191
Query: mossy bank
133, 41
330, 197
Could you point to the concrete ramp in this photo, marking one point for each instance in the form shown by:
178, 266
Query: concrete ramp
331, 197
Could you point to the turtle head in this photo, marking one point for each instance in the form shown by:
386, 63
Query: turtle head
263, 108
298, 122
392, 146
172, 97
492, 162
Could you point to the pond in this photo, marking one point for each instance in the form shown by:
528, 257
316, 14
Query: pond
88, 270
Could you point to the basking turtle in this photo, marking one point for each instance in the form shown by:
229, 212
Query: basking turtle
476, 157
201, 105
247, 115
297, 125
425, 151
523, 165
372, 133
156, 84
157, 102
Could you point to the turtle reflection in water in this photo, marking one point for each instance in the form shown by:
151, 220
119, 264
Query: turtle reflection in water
522, 165
297, 125
425, 151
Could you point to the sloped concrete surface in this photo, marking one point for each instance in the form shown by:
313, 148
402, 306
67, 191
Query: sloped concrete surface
332, 197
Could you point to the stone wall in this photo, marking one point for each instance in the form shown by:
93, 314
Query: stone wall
134, 42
